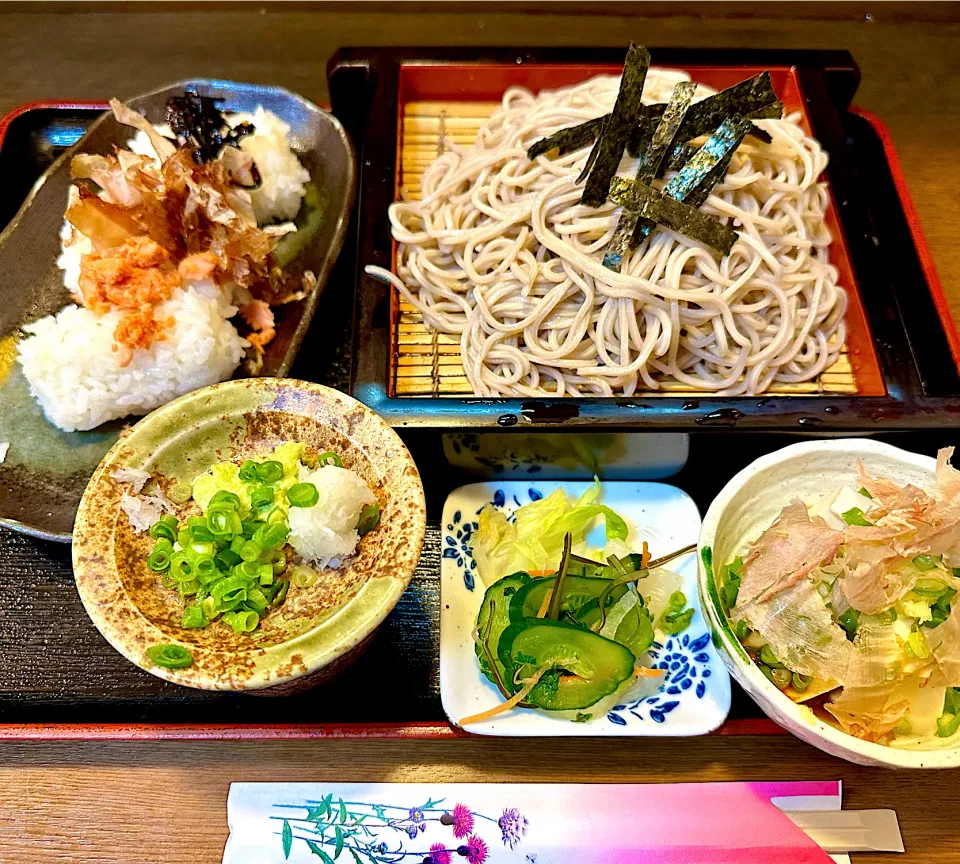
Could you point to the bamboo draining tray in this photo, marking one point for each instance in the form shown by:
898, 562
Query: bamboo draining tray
429, 364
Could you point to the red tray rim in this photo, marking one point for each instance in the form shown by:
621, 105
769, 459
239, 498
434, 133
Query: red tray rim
415, 730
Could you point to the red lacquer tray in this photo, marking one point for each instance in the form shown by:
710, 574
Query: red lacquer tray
59, 679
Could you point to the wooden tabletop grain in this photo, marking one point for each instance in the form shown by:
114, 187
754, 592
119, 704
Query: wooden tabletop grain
165, 802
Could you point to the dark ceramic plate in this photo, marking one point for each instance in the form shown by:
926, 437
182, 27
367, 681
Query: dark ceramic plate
46, 469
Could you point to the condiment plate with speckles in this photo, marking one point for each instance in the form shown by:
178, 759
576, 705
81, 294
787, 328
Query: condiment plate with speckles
316, 632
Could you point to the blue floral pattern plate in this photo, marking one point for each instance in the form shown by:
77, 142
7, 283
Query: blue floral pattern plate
694, 698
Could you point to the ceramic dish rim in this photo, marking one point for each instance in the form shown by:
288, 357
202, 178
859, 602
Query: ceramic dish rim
281, 652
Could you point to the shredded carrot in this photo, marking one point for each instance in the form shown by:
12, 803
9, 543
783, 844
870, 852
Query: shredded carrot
644, 672
536, 573
645, 555
512, 702
545, 605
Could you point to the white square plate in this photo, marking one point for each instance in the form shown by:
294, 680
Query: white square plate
695, 696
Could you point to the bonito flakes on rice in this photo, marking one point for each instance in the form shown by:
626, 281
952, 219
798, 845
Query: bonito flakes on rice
165, 246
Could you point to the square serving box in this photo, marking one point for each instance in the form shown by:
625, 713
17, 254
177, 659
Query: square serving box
900, 366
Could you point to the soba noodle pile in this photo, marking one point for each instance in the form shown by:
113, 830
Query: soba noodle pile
500, 251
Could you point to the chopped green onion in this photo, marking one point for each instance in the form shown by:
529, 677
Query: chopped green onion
674, 621
223, 521
227, 559
248, 472
227, 585
191, 586
303, 576
917, 646
180, 492
369, 518
863, 491
800, 682
162, 530
184, 537
929, 587
201, 550
205, 567
193, 617
224, 498
767, 656
949, 721
767, 671
159, 560
887, 617
279, 564
904, 727
926, 562
281, 586
242, 621
303, 495
181, 568
209, 607
849, 621
269, 471
170, 656
781, 678
854, 516
276, 535
328, 457
250, 551
202, 534
741, 630
262, 495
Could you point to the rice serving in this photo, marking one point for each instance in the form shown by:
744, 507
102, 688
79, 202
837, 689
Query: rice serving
76, 376
159, 261
327, 532
283, 178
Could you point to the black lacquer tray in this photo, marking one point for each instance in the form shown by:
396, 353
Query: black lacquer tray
59, 678
903, 344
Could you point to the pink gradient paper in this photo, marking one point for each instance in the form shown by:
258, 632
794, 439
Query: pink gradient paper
695, 823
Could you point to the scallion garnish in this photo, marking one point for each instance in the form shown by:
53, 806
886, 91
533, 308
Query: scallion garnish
170, 656
303, 495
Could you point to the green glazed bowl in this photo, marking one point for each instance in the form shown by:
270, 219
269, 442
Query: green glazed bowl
318, 630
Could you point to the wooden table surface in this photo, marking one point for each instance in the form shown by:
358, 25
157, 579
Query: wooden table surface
165, 802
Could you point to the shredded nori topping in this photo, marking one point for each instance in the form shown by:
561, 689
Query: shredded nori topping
660, 135
615, 132
200, 126
651, 161
656, 207
753, 99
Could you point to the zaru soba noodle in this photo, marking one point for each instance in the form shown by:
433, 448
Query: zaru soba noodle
501, 251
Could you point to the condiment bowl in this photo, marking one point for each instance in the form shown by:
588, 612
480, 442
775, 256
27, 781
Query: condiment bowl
318, 630
747, 506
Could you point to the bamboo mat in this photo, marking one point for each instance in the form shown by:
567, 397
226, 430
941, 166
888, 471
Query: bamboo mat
429, 364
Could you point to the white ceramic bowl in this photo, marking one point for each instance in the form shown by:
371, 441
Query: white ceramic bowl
748, 505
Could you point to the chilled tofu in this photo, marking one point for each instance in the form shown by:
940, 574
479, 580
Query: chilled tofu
834, 504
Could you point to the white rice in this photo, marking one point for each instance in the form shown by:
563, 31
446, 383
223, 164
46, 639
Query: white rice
76, 376
327, 532
283, 177
68, 358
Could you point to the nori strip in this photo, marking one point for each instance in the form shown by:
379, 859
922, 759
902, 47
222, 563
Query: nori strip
650, 166
647, 119
752, 98
647, 202
616, 130
723, 141
571, 138
697, 178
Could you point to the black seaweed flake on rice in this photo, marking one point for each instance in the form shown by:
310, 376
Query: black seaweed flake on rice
608, 149
651, 163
